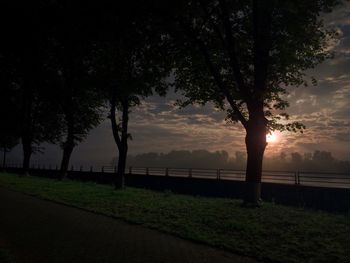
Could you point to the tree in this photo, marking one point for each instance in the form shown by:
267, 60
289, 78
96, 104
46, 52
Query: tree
132, 67
72, 74
9, 114
240, 159
9, 133
6, 144
242, 55
297, 160
23, 51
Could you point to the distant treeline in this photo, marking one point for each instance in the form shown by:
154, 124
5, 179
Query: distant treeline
316, 161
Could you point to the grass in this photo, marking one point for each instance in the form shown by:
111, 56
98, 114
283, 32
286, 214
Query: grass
5, 256
272, 233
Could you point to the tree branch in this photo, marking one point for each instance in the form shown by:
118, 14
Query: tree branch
212, 23
229, 43
125, 119
115, 130
215, 73
262, 40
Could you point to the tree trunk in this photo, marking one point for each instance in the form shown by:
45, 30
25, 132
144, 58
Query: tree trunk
123, 150
256, 126
27, 126
4, 159
67, 152
121, 137
27, 152
67, 104
69, 143
255, 144
120, 178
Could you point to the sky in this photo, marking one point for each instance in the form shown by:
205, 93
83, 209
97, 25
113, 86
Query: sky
158, 126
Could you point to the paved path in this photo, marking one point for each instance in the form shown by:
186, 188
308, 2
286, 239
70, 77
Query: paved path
41, 231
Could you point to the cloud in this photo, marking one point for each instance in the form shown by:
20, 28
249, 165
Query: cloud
158, 126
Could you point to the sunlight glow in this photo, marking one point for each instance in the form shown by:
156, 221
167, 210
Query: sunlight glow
271, 137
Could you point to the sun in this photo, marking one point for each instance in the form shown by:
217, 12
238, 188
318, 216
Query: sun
271, 137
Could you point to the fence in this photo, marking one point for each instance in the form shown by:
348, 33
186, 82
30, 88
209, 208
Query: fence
319, 179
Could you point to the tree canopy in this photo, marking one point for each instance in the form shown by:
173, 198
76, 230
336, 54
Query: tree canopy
242, 55
130, 66
61, 59
224, 47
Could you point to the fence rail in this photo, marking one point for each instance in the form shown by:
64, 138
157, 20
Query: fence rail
325, 179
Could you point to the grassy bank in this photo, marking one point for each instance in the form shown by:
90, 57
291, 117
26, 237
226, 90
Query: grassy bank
273, 232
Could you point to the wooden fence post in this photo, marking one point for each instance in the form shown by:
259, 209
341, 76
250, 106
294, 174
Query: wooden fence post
218, 174
298, 178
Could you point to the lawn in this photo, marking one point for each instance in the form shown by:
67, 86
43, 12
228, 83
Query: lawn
4, 256
272, 233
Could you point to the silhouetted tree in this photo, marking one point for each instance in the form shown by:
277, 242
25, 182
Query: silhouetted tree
73, 38
9, 132
131, 66
283, 156
221, 160
323, 160
23, 53
9, 113
182, 159
6, 144
297, 159
242, 55
240, 159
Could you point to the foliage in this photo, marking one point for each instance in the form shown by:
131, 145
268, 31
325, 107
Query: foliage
10, 130
129, 60
23, 79
130, 66
220, 56
70, 69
